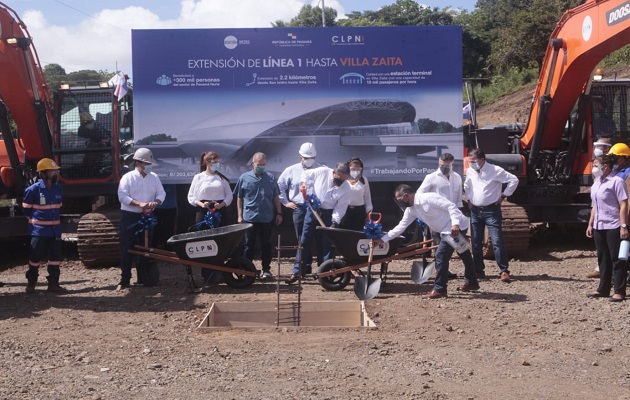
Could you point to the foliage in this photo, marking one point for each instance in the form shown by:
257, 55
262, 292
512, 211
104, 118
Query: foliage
427, 125
309, 16
160, 137
55, 75
509, 82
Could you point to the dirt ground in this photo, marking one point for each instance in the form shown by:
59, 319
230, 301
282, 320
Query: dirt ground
538, 337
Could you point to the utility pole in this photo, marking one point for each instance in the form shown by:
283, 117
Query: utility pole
323, 15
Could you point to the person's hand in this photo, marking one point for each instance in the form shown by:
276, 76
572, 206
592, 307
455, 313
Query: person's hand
377, 242
589, 231
240, 219
624, 233
291, 205
455, 230
219, 205
278, 219
498, 203
334, 225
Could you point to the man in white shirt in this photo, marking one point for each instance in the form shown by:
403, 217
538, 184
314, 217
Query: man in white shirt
289, 185
447, 183
331, 188
484, 190
140, 191
443, 216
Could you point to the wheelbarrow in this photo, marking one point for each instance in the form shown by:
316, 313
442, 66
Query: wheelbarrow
353, 247
211, 248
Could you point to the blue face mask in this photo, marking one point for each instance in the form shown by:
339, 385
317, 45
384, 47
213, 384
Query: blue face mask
260, 169
215, 167
475, 166
148, 169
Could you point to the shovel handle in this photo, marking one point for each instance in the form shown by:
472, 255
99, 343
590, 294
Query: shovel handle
376, 221
303, 191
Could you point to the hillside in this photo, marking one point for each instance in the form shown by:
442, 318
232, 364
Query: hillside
515, 107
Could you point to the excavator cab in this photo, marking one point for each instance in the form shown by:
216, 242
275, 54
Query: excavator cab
90, 134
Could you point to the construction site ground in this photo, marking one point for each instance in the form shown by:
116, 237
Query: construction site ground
538, 337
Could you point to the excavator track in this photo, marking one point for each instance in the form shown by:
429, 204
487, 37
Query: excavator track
98, 239
515, 232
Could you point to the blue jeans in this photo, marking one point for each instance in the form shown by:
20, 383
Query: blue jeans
443, 255
325, 250
263, 231
299, 214
488, 217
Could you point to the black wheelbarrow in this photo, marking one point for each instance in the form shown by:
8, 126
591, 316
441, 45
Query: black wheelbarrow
211, 248
353, 247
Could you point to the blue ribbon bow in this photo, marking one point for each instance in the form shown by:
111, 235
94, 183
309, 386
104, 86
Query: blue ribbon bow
211, 219
315, 203
373, 230
146, 222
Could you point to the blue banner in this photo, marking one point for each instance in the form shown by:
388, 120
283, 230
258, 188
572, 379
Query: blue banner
390, 95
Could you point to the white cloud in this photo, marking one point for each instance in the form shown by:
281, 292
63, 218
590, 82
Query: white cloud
104, 42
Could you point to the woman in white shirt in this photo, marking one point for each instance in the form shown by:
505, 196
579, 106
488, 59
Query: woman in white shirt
360, 197
209, 190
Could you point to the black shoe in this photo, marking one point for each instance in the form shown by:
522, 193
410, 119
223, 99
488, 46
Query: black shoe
55, 288
294, 278
481, 274
124, 284
596, 295
452, 275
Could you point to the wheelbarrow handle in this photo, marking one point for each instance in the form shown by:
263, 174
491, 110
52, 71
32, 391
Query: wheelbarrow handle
376, 221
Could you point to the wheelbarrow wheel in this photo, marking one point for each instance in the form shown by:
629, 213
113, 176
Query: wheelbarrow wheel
337, 282
238, 281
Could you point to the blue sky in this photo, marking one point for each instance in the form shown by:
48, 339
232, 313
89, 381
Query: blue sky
95, 34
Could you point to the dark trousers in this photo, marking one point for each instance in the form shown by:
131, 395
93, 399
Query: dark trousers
325, 251
354, 219
607, 243
263, 231
165, 227
443, 255
129, 236
44, 248
488, 217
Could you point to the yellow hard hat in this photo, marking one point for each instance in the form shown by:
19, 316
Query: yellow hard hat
45, 164
620, 149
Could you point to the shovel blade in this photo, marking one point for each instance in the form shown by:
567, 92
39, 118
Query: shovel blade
420, 273
366, 289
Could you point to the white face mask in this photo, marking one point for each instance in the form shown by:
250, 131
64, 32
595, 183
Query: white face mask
148, 169
598, 152
475, 166
597, 172
308, 162
355, 173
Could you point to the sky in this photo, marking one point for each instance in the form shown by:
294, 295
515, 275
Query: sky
95, 34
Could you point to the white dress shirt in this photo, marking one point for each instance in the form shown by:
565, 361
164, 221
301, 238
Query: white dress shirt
209, 187
133, 186
483, 187
289, 180
439, 213
360, 194
449, 187
320, 182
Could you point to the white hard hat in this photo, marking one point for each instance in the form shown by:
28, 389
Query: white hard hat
144, 155
307, 150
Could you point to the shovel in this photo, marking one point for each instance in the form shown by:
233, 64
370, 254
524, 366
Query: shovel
366, 287
315, 213
422, 271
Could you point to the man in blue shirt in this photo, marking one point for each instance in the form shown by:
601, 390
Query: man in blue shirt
258, 203
41, 204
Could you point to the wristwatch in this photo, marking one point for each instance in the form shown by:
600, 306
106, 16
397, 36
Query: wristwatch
624, 226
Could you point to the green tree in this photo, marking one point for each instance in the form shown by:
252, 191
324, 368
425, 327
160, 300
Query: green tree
54, 75
427, 125
309, 16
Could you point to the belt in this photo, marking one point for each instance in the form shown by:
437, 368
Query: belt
321, 210
351, 207
488, 207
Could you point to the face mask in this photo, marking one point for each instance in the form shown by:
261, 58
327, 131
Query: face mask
445, 170
615, 168
148, 169
308, 162
403, 204
215, 167
337, 181
598, 152
475, 166
260, 169
355, 173
597, 172
52, 178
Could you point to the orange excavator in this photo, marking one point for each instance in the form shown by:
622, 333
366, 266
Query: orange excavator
86, 130
572, 106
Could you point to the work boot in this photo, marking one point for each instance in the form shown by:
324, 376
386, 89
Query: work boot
30, 288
